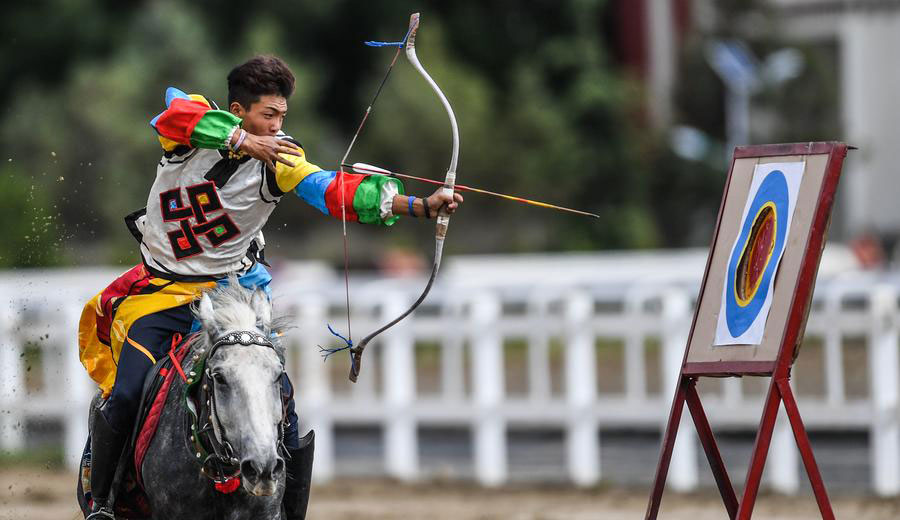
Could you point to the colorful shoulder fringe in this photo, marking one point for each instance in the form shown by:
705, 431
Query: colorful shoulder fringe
190, 120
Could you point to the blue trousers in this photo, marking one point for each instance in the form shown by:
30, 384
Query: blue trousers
149, 339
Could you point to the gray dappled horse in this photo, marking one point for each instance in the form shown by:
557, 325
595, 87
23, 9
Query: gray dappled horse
235, 367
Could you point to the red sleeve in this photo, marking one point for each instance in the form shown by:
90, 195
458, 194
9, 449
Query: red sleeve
333, 195
178, 121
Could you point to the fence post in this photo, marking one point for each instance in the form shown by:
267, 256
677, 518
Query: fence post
12, 384
732, 391
635, 351
453, 353
583, 443
80, 388
676, 318
834, 354
782, 469
883, 375
399, 369
313, 390
538, 350
488, 389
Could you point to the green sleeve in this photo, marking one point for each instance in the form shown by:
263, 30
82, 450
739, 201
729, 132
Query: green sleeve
213, 129
367, 200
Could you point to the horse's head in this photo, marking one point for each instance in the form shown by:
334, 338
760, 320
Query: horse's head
244, 371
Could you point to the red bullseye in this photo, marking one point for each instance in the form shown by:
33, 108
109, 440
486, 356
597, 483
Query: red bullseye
756, 255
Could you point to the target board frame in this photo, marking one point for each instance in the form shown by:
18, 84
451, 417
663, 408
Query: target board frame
764, 260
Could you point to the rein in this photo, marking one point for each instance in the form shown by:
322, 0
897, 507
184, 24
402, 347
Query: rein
208, 440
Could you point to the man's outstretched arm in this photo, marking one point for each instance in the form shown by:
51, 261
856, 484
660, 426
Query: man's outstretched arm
368, 199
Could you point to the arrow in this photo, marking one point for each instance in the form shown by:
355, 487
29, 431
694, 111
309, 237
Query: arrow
368, 169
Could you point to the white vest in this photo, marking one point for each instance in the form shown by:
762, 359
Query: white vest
205, 211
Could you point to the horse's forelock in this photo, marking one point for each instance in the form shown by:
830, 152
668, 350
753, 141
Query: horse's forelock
226, 307
232, 308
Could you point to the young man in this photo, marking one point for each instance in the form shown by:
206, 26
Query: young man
220, 177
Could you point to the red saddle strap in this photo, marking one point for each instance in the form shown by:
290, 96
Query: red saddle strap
176, 359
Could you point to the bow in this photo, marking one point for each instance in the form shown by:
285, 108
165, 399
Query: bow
443, 218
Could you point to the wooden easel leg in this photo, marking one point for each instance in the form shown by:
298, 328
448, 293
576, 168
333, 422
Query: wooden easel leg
665, 456
806, 453
760, 451
708, 440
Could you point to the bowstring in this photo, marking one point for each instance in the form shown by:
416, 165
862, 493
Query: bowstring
342, 173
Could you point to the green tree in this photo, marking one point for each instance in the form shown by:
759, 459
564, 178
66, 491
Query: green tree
544, 112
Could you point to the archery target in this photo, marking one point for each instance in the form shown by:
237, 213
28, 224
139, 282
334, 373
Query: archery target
757, 252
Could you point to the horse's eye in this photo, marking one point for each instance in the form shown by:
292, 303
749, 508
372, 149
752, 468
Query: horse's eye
219, 378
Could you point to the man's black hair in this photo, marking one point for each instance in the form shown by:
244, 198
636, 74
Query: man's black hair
260, 76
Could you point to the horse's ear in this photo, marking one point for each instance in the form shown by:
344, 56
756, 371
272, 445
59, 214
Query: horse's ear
205, 311
261, 306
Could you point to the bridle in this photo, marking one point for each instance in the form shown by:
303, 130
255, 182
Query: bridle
220, 462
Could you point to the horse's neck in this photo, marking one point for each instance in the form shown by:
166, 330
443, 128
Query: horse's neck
192, 366
175, 408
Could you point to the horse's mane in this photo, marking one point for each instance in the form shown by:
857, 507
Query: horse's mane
233, 305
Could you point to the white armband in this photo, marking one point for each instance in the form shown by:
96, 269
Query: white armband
388, 190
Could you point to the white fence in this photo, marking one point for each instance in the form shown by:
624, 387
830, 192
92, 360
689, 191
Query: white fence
576, 344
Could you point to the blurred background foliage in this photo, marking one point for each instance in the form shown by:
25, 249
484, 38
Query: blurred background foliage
545, 109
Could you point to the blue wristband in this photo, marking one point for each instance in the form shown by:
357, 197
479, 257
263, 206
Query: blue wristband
411, 200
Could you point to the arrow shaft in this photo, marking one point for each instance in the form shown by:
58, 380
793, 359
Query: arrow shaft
461, 187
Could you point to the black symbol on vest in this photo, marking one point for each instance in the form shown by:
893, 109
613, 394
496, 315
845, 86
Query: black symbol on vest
202, 200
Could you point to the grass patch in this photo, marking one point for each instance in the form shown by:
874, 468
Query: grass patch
50, 457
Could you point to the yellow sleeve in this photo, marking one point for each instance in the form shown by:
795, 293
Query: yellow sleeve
289, 177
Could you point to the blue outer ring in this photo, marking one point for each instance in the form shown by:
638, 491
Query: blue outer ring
773, 189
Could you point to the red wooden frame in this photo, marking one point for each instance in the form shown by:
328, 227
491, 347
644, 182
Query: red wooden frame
779, 370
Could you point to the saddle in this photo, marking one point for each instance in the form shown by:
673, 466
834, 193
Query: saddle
130, 500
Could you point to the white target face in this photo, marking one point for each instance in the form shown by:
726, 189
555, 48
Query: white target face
757, 252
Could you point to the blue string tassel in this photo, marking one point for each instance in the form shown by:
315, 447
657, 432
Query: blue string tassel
385, 44
390, 44
327, 352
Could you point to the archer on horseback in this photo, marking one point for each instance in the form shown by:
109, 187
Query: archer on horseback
220, 177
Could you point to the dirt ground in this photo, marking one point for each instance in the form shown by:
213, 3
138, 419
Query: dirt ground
31, 494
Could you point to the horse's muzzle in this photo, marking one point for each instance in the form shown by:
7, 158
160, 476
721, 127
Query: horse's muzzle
261, 478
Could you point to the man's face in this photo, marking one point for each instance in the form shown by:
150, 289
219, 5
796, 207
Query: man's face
264, 117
